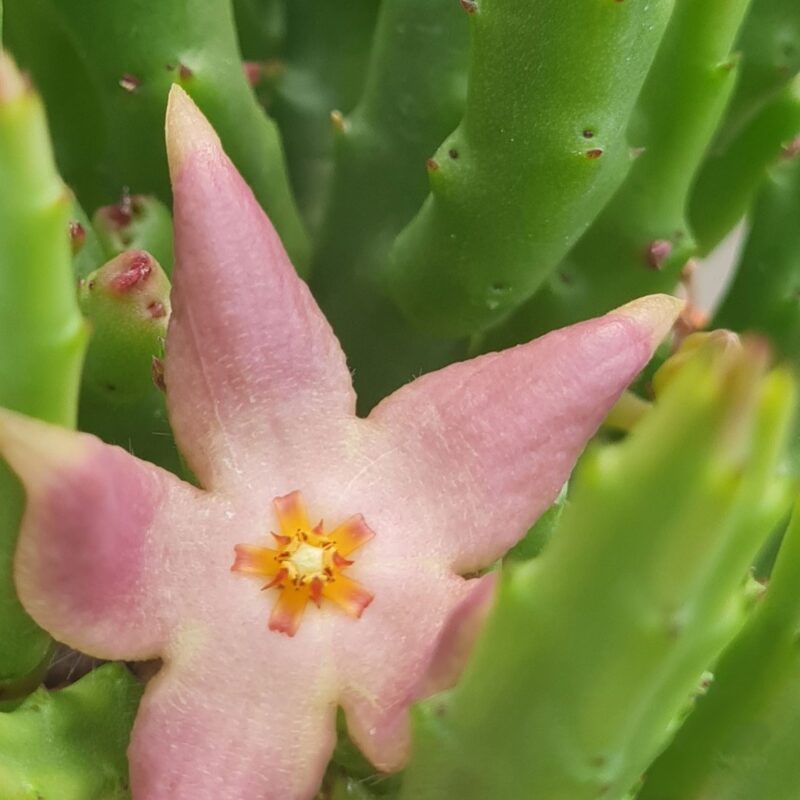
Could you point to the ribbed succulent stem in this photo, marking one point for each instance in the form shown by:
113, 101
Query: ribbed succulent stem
70, 744
594, 649
41, 329
126, 301
763, 115
769, 47
732, 174
408, 106
642, 239
136, 222
540, 150
124, 59
741, 739
764, 292
87, 253
260, 26
324, 65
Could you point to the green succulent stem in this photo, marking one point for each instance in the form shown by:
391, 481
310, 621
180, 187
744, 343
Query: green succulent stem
408, 106
769, 45
540, 150
763, 115
41, 328
324, 66
136, 222
651, 582
740, 741
642, 239
733, 173
70, 744
763, 295
87, 252
261, 27
126, 301
124, 59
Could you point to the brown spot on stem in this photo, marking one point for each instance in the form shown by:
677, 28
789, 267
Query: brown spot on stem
453, 153
77, 236
156, 309
129, 82
337, 120
157, 372
470, 6
791, 150
594, 153
120, 214
588, 133
253, 71
431, 165
184, 72
657, 253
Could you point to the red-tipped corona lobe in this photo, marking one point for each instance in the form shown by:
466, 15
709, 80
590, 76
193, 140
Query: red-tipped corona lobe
448, 473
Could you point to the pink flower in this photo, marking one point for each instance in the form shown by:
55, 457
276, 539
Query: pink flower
122, 560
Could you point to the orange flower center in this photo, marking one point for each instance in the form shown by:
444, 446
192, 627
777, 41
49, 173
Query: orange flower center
308, 564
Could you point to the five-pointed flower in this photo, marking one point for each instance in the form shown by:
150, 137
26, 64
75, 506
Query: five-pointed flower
123, 560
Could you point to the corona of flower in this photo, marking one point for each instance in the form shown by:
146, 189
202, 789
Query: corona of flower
308, 564
123, 560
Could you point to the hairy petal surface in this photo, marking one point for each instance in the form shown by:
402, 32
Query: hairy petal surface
210, 729
490, 441
383, 659
88, 566
250, 359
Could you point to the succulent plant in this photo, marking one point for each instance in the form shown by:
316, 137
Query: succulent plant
340, 543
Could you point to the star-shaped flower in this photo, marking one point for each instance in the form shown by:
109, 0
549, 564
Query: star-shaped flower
122, 560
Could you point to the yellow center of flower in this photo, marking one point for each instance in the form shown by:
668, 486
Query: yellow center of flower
309, 564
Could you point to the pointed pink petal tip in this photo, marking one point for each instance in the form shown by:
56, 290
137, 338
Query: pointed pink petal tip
187, 130
35, 449
655, 312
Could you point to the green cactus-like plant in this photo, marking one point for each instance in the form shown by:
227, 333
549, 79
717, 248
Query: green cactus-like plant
740, 740
763, 296
136, 222
732, 175
532, 163
763, 116
642, 239
769, 47
125, 59
260, 26
322, 73
42, 331
70, 744
87, 253
126, 301
653, 586
379, 181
